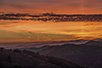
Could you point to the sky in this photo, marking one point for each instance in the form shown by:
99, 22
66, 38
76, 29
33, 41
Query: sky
38, 31
56, 6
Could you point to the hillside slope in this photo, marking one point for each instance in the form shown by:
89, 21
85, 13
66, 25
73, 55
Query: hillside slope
26, 59
88, 55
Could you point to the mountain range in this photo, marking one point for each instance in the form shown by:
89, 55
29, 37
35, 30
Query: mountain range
26, 59
88, 54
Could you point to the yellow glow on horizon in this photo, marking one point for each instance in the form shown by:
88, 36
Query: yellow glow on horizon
26, 29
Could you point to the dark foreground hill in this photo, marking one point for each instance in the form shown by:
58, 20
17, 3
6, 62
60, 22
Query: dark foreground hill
88, 54
26, 59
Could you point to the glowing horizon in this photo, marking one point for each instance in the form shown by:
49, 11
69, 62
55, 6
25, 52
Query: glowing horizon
19, 30
30, 31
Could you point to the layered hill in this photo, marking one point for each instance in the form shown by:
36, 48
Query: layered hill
88, 54
27, 59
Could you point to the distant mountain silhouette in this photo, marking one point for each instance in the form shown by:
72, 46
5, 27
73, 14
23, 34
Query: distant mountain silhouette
94, 43
27, 59
88, 54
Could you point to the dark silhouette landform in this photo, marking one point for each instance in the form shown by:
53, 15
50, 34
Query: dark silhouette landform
27, 59
88, 54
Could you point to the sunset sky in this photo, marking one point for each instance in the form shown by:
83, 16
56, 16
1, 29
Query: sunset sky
56, 6
35, 31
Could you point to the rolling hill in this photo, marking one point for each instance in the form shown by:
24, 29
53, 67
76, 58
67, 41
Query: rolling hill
88, 54
27, 59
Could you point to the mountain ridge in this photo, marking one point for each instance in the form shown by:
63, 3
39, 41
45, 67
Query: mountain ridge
88, 54
27, 59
